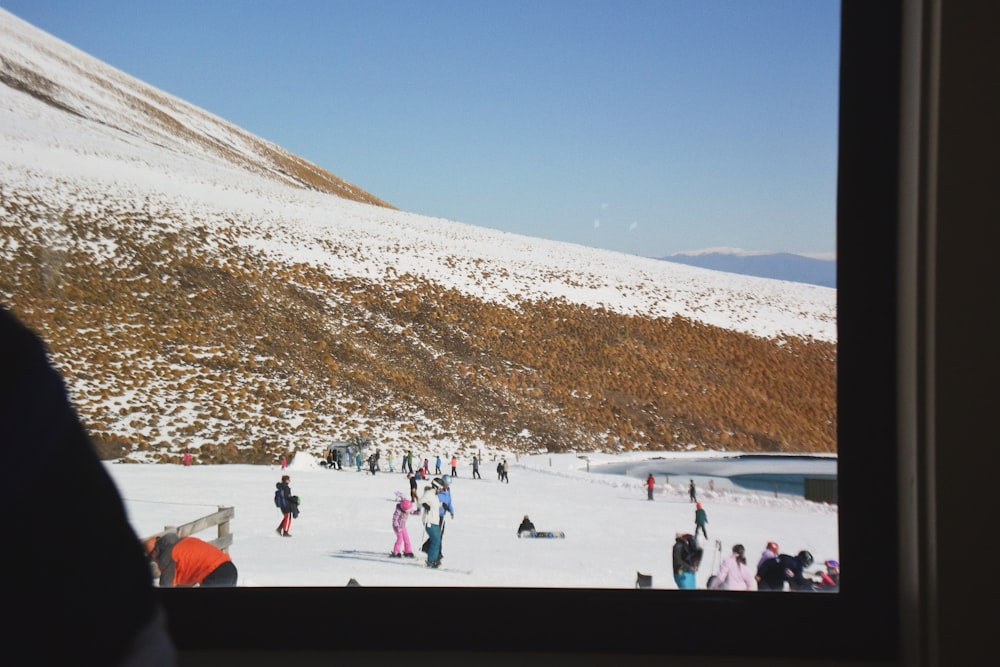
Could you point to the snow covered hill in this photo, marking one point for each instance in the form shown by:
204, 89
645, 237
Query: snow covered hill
201, 288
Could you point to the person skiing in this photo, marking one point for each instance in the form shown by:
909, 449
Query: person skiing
454, 465
430, 507
437, 465
686, 559
289, 508
775, 572
734, 573
404, 508
692, 494
447, 506
650, 483
700, 519
475, 468
526, 527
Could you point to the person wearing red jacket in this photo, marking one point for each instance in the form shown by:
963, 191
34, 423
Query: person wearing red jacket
189, 561
650, 483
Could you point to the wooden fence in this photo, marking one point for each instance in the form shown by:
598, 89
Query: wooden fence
224, 538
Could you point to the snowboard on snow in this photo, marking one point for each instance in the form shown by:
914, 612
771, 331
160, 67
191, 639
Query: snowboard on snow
541, 533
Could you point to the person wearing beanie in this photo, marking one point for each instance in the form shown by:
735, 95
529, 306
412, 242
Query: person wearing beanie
770, 551
404, 508
700, 519
289, 506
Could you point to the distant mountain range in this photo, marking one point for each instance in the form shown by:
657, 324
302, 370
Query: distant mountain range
779, 265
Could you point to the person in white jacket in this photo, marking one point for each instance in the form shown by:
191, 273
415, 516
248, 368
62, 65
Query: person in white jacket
734, 573
430, 508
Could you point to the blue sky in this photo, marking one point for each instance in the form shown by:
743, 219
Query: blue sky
647, 127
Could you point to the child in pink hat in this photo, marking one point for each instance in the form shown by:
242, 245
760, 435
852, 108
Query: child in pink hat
404, 508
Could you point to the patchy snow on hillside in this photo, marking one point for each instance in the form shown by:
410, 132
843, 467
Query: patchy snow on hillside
92, 143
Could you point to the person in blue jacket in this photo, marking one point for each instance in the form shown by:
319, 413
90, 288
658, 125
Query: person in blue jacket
447, 506
444, 495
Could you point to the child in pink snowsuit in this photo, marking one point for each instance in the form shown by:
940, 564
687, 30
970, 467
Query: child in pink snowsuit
404, 508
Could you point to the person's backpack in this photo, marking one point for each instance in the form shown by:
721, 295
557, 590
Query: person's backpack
279, 500
692, 552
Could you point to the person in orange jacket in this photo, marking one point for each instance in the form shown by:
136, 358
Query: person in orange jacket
189, 561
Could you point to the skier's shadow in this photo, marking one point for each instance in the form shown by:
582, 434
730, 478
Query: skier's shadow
357, 554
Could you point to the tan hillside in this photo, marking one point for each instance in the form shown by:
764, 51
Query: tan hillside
201, 289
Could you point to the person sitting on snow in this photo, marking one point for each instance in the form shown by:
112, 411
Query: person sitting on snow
526, 527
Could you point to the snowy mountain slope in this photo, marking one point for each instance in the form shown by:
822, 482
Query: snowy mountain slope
104, 130
168, 255
134, 115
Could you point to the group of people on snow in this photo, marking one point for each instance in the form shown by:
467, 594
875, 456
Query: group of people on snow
775, 571
434, 504
333, 461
